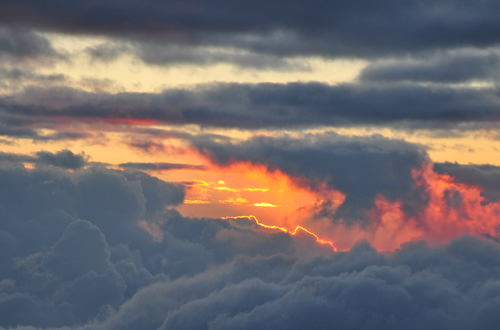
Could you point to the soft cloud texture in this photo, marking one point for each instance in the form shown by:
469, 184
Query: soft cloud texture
80, 258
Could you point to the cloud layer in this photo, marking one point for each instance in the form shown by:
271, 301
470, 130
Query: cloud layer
250, 106
320, 28
101, 251
94, 246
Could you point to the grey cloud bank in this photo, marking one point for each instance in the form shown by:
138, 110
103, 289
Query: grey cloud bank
265, 105
74, 256
338, 28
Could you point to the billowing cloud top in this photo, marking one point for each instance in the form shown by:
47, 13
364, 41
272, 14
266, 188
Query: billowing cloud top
82, 258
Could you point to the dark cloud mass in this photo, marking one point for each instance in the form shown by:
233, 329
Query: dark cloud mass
342, 28
267, 105
64, 267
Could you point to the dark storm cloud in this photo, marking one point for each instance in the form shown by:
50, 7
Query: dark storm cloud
161, 166
268, 105
360, 167
487, 177
343, 28
74, 258
454, 67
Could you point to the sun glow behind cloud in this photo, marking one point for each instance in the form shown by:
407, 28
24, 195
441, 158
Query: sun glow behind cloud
453, 209
249, 164
277, 199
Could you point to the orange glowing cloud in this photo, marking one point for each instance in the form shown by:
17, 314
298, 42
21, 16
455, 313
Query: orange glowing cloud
452, 209
281, 203
278, 199
455, 208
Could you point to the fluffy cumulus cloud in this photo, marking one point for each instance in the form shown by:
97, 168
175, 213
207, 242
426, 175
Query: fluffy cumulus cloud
104, 250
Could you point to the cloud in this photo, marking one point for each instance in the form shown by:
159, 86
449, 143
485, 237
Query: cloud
152, 52
487, 177
161, 166
23, 127
86, 247
23, 44
265, 105
63, 159
360, 167
59, 269
147, 146
107, 52
418, 286
16, 158
448, 67
73, 260
81, 248
17, 76
333, 29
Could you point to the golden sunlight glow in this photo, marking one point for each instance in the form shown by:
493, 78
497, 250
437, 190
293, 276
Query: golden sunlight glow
292, 233
263, 204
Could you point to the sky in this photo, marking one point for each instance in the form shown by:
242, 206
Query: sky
249, 164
